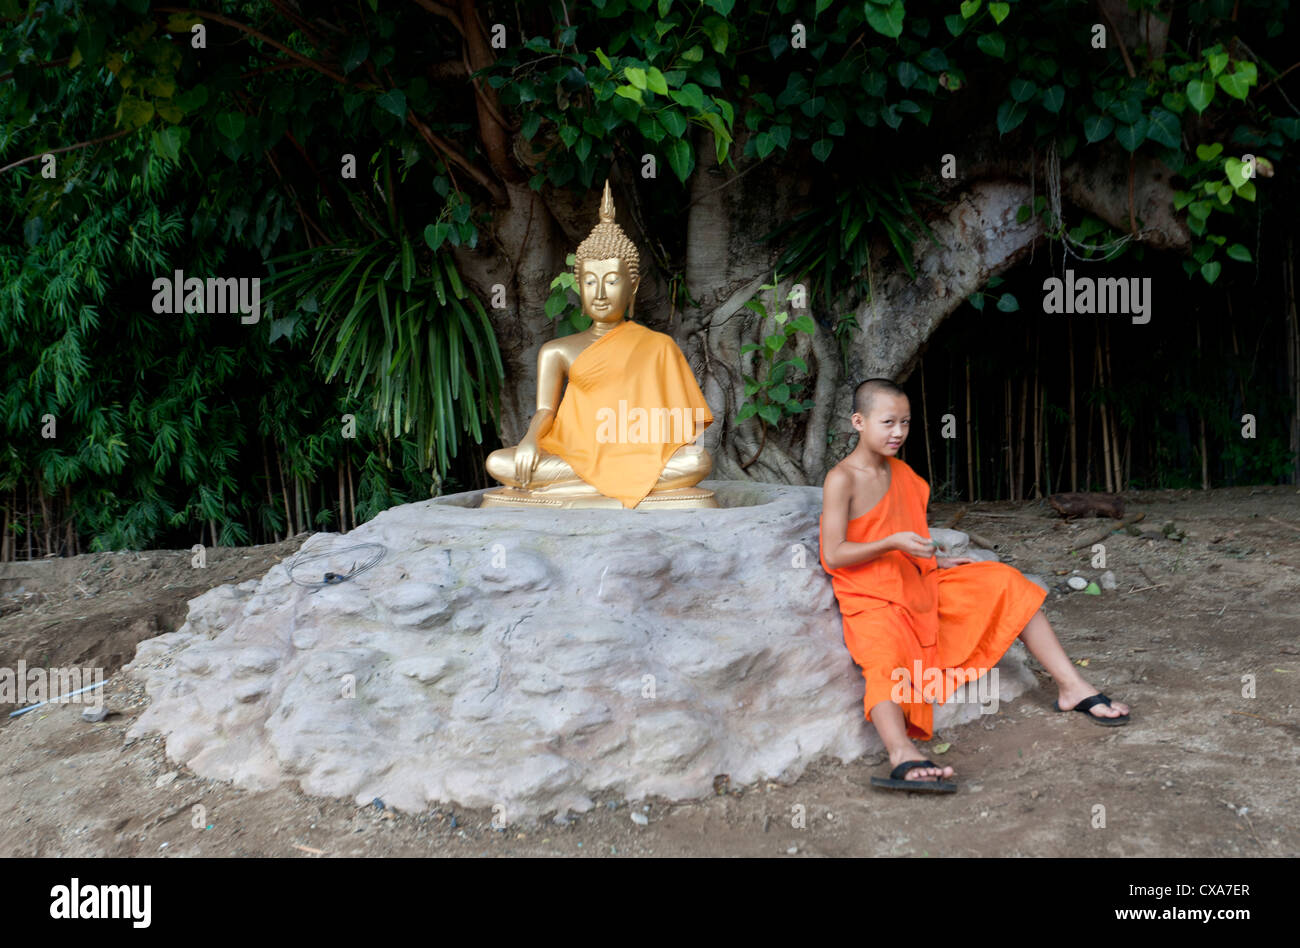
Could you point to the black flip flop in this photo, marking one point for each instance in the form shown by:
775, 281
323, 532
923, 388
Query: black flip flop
1087, 703
896, 781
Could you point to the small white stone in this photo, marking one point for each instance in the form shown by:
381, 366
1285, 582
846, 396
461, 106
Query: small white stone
640, 819
165, 779
792, 850
1077, 582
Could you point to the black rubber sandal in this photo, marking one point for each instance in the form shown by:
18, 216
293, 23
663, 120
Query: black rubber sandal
1087, 703
896, 781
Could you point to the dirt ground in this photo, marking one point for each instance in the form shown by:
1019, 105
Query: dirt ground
1201, 771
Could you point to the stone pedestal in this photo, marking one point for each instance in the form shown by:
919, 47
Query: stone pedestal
682, 498
531, 658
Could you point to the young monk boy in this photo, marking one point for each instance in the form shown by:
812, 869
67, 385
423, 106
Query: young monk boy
902, 605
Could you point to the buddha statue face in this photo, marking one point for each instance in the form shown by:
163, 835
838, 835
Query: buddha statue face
607, 289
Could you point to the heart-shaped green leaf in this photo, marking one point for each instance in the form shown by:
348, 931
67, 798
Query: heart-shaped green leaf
1131, 136
1097, 127
1010, 115
992, 43
1126, 111
1235, 84
681, 158
1238, 171
1174, 102
1199, 93
230, 124
394, 101
889, 21
435, 234
1163, 128
1022, 90
656, 82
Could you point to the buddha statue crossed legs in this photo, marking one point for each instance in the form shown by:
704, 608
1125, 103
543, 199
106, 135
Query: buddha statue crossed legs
622, 432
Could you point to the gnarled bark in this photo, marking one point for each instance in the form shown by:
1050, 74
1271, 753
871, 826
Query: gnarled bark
727, 263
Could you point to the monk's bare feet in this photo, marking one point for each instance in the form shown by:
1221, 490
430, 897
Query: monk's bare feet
1072, 695
904, 754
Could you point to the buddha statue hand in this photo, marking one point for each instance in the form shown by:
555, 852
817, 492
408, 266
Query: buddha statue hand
527, 455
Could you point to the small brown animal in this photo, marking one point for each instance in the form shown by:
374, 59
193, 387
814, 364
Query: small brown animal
1087, 505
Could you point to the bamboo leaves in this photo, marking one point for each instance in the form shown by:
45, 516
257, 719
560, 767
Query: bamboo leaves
408, 339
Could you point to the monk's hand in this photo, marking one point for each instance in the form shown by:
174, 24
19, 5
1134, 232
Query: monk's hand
913, 544
526, 458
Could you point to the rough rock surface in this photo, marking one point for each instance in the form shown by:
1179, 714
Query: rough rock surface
528, 658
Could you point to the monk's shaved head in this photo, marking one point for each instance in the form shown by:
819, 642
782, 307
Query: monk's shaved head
866, 392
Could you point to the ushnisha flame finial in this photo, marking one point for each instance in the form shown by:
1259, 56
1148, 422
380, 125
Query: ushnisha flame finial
607, 241
607, 204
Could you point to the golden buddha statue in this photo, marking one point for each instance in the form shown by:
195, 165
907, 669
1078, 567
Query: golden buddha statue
623, 435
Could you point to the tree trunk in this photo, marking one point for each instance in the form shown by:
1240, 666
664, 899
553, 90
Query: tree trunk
725, 262
1074, 457
970, 441
1024, 418
1205, 459
352, 497
343, 524
925, 429
1293, 358
1104, 413
270, 497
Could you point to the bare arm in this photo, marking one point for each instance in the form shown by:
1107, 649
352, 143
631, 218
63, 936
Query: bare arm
836, 550
550, 383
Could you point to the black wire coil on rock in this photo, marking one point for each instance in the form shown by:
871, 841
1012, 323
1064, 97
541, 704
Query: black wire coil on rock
331, 578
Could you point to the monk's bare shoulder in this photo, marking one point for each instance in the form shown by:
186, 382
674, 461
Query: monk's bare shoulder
837, 489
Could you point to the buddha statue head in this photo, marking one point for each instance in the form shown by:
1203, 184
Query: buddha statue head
608, 268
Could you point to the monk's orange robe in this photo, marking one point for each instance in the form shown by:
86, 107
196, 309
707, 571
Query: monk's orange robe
899, 610
630, 404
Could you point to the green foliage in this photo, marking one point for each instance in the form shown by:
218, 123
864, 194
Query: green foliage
776, 396
430, 361
831, 241
1006, 302
564, 303
219, 160
170, 424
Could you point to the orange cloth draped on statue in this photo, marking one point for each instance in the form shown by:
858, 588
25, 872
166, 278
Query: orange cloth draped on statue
630, 403
899, 610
